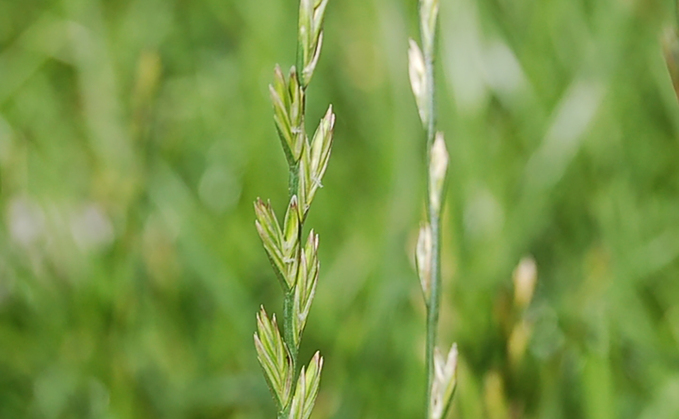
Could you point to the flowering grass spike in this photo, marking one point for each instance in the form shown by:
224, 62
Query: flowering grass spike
295, 262
441, 374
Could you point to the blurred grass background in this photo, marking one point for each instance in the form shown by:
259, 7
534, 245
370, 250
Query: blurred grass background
135, 135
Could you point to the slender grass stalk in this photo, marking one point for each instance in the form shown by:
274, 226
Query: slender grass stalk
294, 261
441, 374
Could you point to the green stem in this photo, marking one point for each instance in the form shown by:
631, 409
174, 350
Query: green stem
434, 223
433, 306
293, 180
288, 302
288, 308
288, 328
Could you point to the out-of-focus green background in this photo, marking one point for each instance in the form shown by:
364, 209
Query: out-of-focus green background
135, 135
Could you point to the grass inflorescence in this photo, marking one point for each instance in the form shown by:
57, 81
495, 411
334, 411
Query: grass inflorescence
293, 258
441, 370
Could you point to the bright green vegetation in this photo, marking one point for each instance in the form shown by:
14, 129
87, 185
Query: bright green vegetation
294, 261
135, 135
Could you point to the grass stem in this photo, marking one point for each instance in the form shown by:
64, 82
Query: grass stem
434, 222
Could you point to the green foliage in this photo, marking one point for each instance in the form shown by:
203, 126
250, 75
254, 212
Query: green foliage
135, 135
